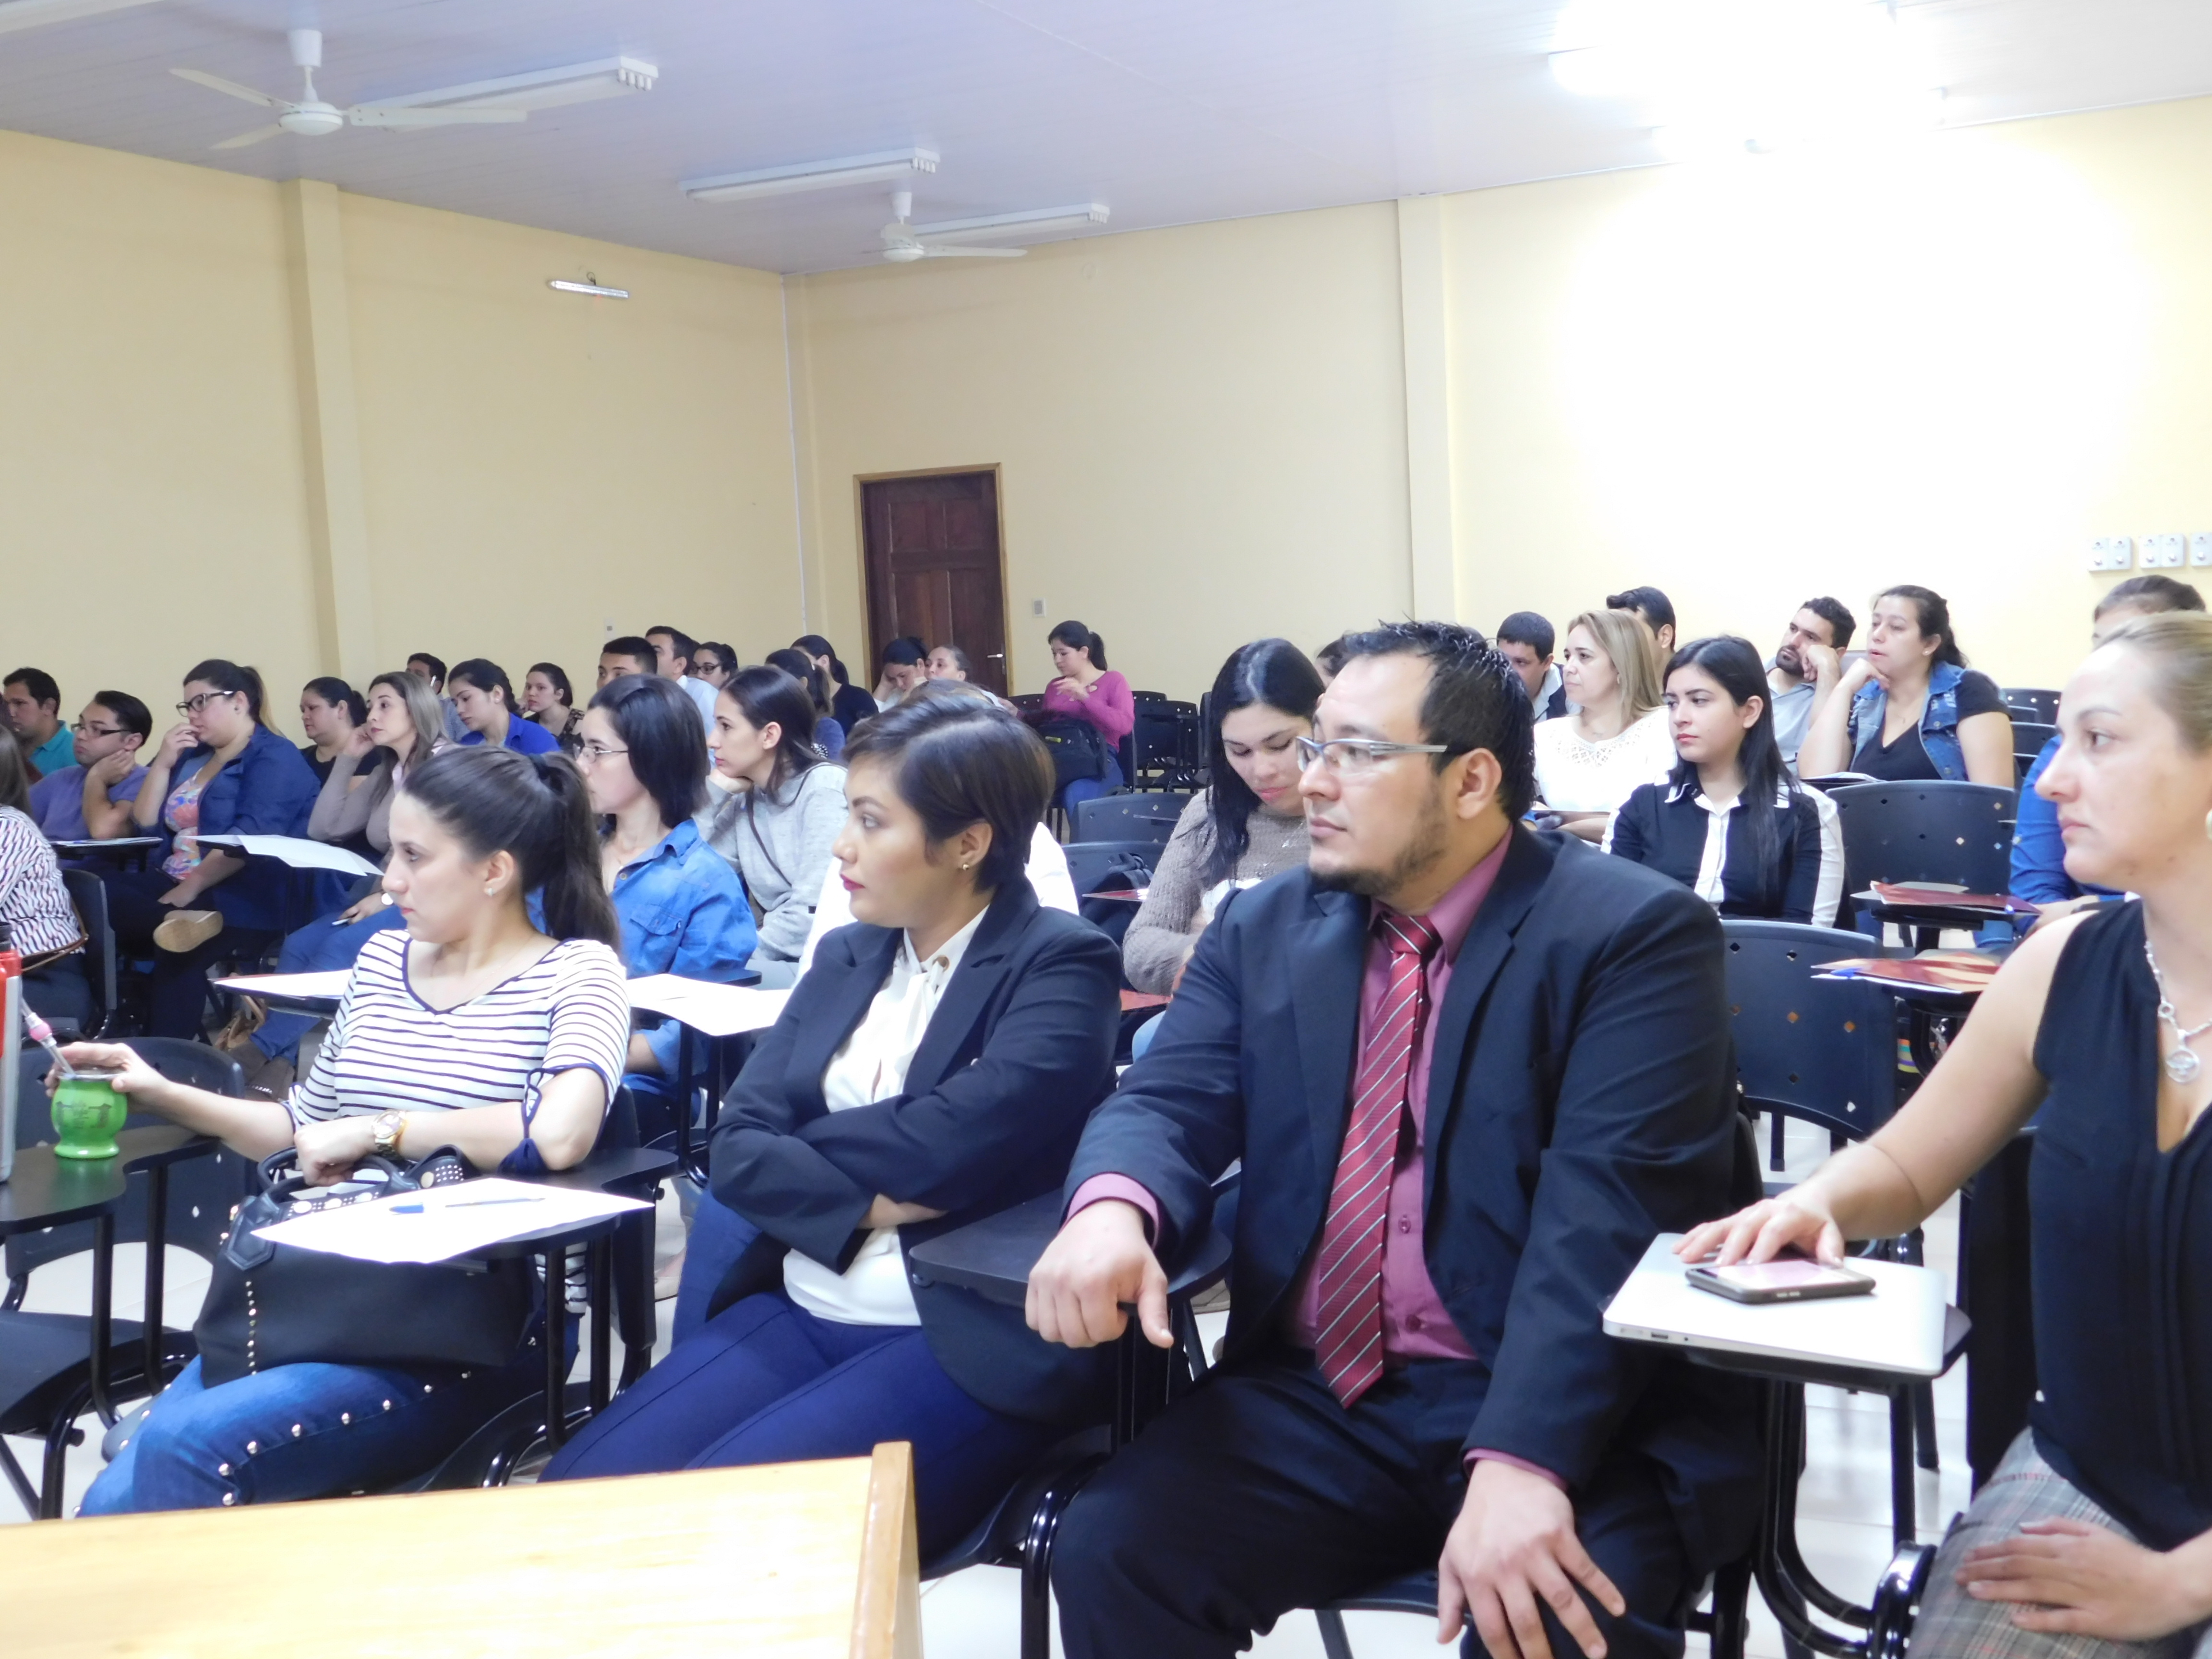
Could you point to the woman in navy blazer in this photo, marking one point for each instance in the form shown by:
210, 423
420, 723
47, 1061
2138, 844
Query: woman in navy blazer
935, 1065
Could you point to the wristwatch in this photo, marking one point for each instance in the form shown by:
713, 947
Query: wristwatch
389, 1127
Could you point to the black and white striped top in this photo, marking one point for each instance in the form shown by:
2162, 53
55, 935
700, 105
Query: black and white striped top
390, 1051
33, 900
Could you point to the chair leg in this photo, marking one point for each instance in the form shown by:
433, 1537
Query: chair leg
1923, 1427
17, 1289
1731, 1614
1334, 1641
1775, 1156
25, 1493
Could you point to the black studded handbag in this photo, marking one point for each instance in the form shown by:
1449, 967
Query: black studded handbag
271, 1304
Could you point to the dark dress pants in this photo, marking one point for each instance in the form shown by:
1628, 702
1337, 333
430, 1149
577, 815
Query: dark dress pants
1258, 1493
177, 990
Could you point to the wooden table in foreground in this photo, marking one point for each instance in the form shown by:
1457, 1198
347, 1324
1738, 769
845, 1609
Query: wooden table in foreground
785, 1560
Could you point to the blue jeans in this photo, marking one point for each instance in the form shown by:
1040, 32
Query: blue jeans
1083, 789
305, 1430
767, 1383
319, 947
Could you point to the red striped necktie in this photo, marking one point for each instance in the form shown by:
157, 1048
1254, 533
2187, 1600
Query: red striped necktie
1349, 1267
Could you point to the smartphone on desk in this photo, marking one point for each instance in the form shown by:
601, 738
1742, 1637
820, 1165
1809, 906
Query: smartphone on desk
1788, 1278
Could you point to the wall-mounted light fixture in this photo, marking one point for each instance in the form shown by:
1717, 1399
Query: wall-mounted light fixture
591, 285
876, 168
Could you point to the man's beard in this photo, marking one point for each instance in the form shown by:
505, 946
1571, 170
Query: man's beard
1417, 858
1786, 661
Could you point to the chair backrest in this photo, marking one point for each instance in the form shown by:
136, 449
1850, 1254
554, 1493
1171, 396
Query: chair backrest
1822, 1050
87, 892
2028, 738
1096, 864
201, 1189
2043, 703
1148, 817
1937, 831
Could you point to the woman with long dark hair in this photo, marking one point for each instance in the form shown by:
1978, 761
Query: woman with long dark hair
785, 803
330, 710
1732, 822
1910, 708
1247, 825
486, 706
1086, 689
549, 700
472, 1029
848, 703
828, 733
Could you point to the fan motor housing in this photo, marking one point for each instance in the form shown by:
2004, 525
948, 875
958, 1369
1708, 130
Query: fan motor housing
312, 120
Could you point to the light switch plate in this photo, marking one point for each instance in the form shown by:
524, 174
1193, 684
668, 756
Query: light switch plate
2112, 553
2200, 548
1036, 607
2164, 552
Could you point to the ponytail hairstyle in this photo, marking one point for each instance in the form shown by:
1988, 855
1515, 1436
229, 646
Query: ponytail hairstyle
536, 808
229, 678
485, 676
815, 646
1076, 637
337, 693
800, 666
1734, 665
1935, 618
1273, 673
424, 712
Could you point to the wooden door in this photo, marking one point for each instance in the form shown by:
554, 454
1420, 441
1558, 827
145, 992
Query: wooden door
935, 568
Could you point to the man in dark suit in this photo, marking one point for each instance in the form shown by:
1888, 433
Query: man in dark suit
1471, 1071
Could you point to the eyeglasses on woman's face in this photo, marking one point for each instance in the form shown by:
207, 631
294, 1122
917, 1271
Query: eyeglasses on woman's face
193, 705
591, 754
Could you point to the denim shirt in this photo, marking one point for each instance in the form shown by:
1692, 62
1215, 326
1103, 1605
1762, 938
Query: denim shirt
1939, 721
267, 789
2039, 852
683, 911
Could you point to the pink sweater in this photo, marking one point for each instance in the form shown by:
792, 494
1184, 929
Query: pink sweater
1109, 707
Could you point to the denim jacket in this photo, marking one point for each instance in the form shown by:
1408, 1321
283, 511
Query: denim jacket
683, 911
267, 789
1939, 721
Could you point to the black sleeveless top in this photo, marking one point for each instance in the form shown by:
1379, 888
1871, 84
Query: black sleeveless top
2122, 1248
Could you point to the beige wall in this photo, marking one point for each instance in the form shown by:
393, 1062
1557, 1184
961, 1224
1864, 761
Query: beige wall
1203, 431
533, 465
1954, 364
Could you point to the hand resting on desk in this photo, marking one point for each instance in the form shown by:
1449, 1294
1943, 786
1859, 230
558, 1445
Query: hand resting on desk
1098, 1263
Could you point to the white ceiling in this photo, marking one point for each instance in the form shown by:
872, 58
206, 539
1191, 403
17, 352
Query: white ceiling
1167, 110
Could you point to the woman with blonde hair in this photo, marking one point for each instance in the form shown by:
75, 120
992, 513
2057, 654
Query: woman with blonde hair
1617, 740
2092, 1539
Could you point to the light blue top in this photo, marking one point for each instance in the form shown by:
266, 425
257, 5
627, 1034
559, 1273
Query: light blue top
683, 911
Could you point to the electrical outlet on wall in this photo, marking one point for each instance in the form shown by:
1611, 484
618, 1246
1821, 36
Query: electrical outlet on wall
2163, 552
2112, 553
1036, 607
2200, 548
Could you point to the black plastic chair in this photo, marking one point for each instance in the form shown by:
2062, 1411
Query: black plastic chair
1149, 815
1724, 1621
1164, 740
2042, 705
90, 898
2029, 739
1939, 831
46, 1359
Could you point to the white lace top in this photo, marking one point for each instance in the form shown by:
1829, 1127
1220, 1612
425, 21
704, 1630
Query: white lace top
1575, 776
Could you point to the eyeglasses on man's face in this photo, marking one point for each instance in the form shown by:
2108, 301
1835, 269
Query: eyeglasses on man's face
83, 730
192, 706
1357, 758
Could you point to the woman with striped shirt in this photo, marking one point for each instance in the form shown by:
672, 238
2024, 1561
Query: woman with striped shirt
471, 1029
41, 922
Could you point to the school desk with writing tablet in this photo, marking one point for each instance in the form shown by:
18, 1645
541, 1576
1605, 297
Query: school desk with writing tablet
776, 1562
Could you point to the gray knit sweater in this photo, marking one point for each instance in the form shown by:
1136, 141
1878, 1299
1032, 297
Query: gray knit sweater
1153, 948
780, 847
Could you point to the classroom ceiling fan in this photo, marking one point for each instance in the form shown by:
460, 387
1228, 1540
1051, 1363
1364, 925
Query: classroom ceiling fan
311, 116
902, 245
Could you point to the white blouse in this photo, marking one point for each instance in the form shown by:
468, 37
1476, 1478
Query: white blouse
1575, 776
871, 1066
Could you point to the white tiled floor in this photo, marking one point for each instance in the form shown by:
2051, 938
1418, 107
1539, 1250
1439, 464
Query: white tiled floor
1844, 1502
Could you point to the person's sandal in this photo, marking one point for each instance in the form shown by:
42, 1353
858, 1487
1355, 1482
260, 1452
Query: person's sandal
187, 930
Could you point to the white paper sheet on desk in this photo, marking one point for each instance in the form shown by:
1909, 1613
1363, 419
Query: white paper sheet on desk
298, 852
713, 1010
454, 1220
330, 983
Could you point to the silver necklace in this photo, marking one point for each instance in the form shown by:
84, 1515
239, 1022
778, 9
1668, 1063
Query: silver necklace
2182, 1064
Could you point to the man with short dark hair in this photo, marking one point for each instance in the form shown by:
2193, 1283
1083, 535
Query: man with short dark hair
628, 654
35, 714
672, 651
1525, 640
90, 798
1819, 634
1471, 1069
432, 670
1657, 612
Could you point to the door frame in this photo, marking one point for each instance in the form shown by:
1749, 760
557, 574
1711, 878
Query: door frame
861, 480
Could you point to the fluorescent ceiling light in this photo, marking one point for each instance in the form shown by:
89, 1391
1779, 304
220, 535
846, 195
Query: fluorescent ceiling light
578, 83
592, 286
1036, 221
1731, 74
875, 169
36, 13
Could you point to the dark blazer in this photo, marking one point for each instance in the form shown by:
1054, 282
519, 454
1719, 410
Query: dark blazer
1581, 1100
1019, 1050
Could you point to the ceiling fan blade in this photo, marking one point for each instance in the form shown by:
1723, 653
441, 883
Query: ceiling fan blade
369, 115
930, 253
252, 137
216, 83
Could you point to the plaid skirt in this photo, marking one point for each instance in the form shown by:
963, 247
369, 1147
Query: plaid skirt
1952, 1625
